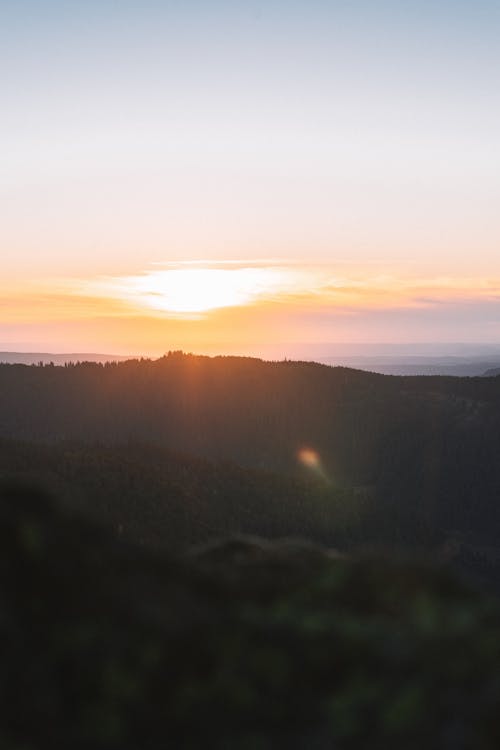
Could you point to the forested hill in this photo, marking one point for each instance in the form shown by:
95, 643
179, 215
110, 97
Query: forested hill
425, 444
256, 413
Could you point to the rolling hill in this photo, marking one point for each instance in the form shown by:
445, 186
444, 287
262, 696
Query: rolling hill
407, 463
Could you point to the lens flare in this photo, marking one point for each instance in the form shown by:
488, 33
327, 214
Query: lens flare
309, 458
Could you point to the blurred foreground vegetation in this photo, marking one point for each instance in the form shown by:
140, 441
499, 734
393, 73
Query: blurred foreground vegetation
241, 644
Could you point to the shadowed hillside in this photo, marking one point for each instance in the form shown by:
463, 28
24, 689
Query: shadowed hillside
154, 497
419, 447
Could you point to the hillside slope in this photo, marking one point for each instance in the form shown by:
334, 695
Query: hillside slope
419, 447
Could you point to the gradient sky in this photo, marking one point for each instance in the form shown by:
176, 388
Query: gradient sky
352, 149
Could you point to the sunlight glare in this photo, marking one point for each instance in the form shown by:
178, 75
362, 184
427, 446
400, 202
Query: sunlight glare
197, 290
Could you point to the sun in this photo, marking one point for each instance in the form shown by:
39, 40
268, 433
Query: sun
199, 290
192, 289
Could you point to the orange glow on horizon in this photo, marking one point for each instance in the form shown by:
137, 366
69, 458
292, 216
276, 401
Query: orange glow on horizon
243, 307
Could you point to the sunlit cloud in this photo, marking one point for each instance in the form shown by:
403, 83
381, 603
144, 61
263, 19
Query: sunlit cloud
194, 288
259, 307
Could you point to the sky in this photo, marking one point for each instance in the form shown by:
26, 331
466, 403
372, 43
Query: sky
223, 176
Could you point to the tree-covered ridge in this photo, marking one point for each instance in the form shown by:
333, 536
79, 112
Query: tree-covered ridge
156, 498
245, 644
258, 413
423, 449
